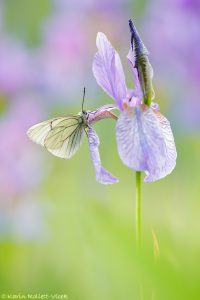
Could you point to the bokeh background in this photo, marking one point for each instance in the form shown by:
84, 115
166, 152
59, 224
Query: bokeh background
60, 231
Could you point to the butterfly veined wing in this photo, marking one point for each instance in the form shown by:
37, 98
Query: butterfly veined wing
37, 133
65, 138
61, 136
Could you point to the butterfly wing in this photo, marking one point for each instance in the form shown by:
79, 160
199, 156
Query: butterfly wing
61, 136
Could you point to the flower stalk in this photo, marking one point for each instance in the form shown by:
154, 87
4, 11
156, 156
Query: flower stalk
138, 207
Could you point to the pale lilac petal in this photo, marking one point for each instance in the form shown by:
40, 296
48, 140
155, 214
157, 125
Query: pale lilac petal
102, 112
145, 142
108, 71
102, 175
131, 58
107, 107
132, 99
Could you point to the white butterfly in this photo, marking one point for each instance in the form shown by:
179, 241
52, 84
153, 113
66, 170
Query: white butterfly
63, 136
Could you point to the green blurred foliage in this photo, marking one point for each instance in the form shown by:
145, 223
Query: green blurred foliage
90, 250
23, 18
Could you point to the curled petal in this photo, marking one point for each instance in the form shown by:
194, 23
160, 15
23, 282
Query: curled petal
102, 175
145, 142
107, 69
102, 112
107, 107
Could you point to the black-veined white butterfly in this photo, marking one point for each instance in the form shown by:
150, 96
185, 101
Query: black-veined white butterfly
62, 136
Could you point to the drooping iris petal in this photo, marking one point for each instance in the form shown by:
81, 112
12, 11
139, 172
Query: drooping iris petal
107, 69
145, 142
102, 175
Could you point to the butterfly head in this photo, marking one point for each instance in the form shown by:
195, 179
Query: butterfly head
85, 115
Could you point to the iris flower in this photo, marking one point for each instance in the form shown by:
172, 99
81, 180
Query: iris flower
144, 137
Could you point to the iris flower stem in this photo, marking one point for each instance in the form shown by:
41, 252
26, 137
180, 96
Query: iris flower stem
138, 207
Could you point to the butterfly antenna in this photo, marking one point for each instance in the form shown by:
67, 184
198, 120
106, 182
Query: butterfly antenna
83, 97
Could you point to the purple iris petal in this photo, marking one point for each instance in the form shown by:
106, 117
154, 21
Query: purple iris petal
107, 107
108, 71
102, 175
145, 142
102, 112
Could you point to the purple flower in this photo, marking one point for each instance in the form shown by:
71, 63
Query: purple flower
176, 23
21, 166
89, 5
144, 137
17, 72
64, 48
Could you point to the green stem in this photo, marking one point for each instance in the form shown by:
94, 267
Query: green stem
138, 207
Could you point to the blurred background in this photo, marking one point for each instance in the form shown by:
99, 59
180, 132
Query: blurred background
60, 231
